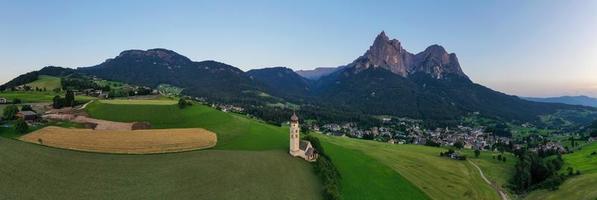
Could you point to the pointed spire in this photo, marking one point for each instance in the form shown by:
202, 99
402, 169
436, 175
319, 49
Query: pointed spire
294, 118
382, 37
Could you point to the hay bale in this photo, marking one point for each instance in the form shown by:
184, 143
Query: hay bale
141, 125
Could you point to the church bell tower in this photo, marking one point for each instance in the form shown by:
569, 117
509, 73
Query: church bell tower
294, 135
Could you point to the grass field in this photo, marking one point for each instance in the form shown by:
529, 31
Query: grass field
36, 97
576, 187
437, 177
250, 162
32, 171
234, 131
366, 178
139, 102
127, 142
496, 171
47, 82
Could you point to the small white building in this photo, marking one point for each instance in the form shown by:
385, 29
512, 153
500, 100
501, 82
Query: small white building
3, 100
298, 147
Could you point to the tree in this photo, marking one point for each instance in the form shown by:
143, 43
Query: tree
594, 133
26, 108
477, 153
57, 102
459, 144
572, 141
182, 103
69, 98
21, 126
10, 112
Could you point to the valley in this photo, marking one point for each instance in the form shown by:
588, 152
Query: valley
391, 124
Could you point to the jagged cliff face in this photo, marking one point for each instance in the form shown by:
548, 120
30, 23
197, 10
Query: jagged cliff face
389, 54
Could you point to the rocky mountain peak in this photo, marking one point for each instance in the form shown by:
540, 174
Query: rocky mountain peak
164, 56
388, 54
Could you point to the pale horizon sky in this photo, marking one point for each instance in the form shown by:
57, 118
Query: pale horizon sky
527, 48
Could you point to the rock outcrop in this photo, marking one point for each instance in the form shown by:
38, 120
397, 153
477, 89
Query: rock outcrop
390, 55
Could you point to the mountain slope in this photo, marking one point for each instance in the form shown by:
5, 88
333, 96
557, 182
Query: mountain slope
34, 75
160, 66
572, 100
283, 82
315, 74
429, 85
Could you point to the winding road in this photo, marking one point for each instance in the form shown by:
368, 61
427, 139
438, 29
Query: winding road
497, 189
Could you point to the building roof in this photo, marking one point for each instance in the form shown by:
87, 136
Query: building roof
304, 144
294, 118
27, 113
310, 152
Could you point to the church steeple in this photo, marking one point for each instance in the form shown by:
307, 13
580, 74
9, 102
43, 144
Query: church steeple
294, 134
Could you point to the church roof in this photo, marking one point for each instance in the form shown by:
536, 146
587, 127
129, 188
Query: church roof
303, 145
294, 118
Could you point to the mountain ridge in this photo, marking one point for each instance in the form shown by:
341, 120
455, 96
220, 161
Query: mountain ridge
571, 100
386, 80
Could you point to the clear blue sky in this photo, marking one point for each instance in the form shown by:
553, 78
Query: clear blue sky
529, 48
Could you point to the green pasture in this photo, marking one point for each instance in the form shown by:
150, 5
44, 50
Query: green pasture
411, 167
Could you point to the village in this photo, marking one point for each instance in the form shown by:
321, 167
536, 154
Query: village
408, 131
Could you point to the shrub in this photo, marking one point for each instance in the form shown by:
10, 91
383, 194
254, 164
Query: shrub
26, 108
21, 126
16, 101
477, 153
326, 170
10, 112
57, 102
183, 103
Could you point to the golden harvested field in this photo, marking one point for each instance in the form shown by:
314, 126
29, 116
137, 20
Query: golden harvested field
140, 101
124, 141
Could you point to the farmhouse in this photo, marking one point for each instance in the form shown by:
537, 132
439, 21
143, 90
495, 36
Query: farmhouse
27, 115
298, 147
3, 100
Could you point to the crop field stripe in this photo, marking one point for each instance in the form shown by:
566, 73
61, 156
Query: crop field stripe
234, 132
126, 142
139, 102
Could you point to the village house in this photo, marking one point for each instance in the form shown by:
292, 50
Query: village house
298, 147
27, 115
3, 100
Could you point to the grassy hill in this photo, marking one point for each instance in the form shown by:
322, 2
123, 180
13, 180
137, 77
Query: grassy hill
36, 97
386, 171
576, 187
35, 172
44, 81
250, 162
234, 131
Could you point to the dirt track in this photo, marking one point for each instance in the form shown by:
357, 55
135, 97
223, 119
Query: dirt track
124, 141
101, 124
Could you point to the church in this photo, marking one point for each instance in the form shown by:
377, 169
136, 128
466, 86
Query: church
298, 147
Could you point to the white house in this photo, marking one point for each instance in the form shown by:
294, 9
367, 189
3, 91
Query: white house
3, 100
298, 147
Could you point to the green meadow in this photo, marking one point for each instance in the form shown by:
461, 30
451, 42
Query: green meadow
37, 97
576, 187
249, 162
47, 82
234, 131
250, 151
389, 171
31, 171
